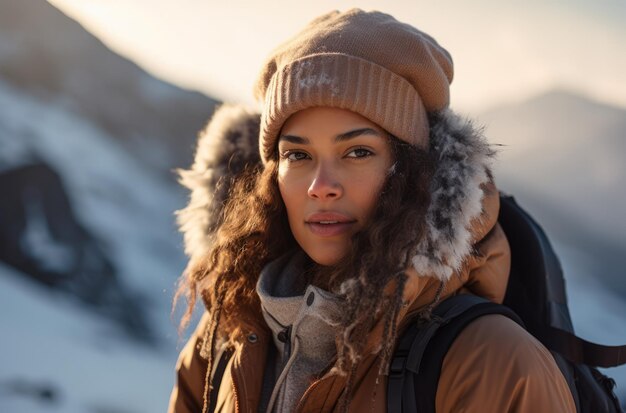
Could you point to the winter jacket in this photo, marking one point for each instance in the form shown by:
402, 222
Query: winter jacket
493, 366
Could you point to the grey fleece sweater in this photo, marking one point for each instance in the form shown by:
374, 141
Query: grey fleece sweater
304, 321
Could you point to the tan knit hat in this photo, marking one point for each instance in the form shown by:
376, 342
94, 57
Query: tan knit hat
366, 62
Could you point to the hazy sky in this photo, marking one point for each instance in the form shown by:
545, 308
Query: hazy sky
503, 50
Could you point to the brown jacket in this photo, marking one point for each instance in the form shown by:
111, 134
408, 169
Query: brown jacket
493, 366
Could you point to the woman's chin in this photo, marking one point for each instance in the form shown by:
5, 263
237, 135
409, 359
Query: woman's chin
325, 258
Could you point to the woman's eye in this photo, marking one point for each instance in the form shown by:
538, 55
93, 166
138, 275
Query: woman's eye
292, 156
359, 153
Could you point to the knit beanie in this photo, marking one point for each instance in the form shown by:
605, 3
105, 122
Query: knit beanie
367, 62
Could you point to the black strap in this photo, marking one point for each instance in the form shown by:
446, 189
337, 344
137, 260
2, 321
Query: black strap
398, 378
580, 351
416, 363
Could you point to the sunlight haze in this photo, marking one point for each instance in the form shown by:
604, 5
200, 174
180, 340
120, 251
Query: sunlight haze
503, 51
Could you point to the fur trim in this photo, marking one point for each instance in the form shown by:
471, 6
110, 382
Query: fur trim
463, 158
228, 143
462, 155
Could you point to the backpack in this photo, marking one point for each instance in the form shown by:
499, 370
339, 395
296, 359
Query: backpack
535, 299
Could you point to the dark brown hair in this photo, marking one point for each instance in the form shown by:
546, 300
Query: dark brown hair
254, 231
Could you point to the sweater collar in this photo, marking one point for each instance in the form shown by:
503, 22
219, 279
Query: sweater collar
287, 298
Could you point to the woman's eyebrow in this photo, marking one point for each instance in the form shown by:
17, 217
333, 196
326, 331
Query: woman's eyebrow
293, 139
339, 138
357, 132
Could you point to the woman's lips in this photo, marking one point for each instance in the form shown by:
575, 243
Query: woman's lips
330, 230
329, 224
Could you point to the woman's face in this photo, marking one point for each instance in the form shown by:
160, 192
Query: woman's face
332, 165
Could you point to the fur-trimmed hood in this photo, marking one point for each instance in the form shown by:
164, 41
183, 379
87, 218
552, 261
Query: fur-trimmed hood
228, 143
456, 220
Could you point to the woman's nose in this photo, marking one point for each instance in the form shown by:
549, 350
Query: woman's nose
325, 184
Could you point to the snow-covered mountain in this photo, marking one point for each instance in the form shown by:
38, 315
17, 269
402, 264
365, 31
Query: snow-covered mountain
110, 134
55, 354
107, 135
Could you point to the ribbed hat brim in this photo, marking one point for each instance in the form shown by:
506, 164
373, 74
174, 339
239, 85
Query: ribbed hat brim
346, 82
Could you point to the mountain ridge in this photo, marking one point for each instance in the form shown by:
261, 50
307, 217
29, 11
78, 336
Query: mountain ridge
47, 54
562, 155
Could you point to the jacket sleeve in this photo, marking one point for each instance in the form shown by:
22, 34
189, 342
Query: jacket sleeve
495, 366
188, 391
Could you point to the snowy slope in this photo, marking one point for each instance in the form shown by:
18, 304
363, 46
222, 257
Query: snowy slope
50, 338
110, 130
122, 202
49, 347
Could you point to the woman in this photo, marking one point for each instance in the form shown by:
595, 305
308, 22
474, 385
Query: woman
371, 202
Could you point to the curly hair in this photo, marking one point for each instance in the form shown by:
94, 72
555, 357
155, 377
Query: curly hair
255, 231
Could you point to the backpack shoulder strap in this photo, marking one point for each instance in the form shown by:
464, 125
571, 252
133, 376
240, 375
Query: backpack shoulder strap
417, 360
